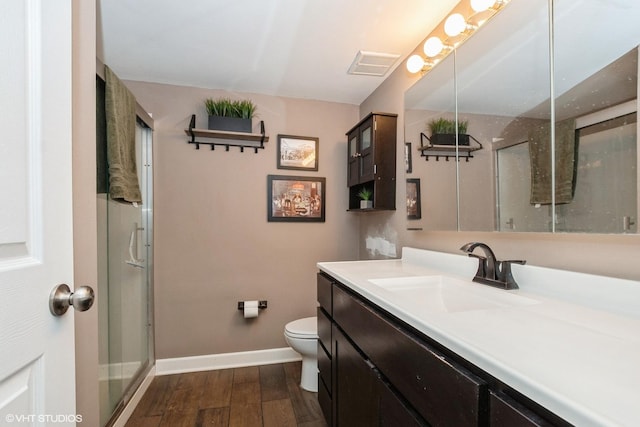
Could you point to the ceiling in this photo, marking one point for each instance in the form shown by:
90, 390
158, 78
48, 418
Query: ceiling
291, 48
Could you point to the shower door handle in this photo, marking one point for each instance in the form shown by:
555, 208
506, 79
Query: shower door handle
133, 247
61, 298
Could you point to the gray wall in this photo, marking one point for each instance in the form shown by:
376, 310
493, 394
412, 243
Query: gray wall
214, 246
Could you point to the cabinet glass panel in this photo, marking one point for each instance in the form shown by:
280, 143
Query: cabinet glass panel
353, 146
366, 138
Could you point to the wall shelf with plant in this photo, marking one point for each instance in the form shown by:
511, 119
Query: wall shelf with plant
365, 195
230, 120
362, 198
448, 139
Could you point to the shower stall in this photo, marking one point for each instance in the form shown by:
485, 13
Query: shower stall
125, 274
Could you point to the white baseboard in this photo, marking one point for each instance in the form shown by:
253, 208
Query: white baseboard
226, 360
135, 399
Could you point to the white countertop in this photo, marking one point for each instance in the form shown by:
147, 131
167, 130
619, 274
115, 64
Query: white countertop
579, 360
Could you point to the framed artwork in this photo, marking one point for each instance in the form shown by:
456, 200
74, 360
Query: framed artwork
295, 198
298, 152
407, 157
413, 199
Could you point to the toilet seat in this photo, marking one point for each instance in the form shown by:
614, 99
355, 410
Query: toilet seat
306, 328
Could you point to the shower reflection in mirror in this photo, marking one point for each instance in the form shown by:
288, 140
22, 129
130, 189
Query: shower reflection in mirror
604, 198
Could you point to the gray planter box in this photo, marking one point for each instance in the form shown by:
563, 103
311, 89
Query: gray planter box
234, 124
449, 139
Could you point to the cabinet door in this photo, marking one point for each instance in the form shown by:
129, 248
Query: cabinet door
366, 133
393, 413
353, 161
355, 386
362, 397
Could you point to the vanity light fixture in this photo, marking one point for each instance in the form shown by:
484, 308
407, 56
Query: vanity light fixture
454, 29
454, 25
481, 5
433, 46
416, 63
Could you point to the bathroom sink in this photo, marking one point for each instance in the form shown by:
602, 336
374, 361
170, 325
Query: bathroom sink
440, 293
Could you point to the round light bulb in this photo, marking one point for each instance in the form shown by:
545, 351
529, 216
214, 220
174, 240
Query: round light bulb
481, 5
415, 63
454, 25
433, 46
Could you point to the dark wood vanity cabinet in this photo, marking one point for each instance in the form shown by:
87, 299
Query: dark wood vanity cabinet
325, 344
375, 370
440, 391
371, 160
361, 395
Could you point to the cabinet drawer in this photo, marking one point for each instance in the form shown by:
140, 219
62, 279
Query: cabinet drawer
440, 390
324, 365
324, 329
324, 293
506, 412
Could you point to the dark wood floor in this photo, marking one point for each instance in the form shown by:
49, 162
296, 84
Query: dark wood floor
266, 396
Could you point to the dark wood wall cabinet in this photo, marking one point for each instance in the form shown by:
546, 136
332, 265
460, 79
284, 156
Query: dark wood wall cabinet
375, 370
371, 162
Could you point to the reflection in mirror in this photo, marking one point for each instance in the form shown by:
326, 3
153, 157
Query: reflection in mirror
605, 199
432, 99
503, 81
603, 186
503, 91
596, 85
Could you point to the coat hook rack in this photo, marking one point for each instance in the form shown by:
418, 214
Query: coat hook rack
244, 139
427, 149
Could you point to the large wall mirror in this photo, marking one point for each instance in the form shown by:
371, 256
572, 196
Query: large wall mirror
533, 96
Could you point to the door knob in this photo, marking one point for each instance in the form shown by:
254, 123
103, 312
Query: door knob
61, 298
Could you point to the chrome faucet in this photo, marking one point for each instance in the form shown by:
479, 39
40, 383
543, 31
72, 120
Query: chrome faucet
491, 271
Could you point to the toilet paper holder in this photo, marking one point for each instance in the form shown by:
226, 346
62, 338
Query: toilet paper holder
261, 304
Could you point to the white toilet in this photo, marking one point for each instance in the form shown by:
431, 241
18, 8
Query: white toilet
302, 336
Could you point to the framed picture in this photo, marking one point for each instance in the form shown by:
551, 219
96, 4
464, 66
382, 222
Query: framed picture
413, 199
298, 152
295, 198
407, 157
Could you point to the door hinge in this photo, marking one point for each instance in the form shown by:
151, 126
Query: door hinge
375, 169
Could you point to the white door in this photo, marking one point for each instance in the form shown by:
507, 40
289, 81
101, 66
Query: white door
37, 379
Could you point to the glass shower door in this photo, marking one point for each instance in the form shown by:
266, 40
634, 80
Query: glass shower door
515, 212
125, 287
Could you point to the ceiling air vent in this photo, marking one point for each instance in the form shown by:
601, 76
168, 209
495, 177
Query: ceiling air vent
372, 63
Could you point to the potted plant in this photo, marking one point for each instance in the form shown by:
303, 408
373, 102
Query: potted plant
365, 198
230, 115
443, 132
